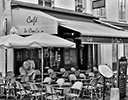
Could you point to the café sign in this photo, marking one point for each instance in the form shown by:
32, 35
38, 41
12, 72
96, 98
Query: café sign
31, 30
30, 22
32, 26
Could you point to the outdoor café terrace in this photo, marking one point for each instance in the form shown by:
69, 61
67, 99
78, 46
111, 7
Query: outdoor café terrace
61, 85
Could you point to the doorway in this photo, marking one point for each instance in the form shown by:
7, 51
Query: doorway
89, 56
21, 55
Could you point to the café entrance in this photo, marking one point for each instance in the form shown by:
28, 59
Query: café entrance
21, 55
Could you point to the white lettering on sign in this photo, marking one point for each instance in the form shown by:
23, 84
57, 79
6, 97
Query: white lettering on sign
115, 40
32, 20
89, 39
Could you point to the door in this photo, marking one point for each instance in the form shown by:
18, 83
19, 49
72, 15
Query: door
89, 56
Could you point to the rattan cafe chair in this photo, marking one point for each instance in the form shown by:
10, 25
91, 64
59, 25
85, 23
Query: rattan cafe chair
21, 92
90, 90
51, 93
75, 91
36, 93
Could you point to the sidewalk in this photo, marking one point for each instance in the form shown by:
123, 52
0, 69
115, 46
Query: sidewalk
106, 98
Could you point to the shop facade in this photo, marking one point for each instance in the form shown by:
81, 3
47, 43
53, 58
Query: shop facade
35, 20
31, 19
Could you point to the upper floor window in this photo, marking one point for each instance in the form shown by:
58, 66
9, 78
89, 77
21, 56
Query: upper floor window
101, 12
122, 9
46, 3
79, 5
99, 8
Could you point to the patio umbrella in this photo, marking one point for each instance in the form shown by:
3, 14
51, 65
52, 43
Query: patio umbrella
7, 39
5, 44
41, 40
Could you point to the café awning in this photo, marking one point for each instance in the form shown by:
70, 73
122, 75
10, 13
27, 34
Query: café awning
96, 32
91, 32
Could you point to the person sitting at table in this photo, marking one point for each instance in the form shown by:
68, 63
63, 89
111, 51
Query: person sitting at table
50, 71
27, 71
73, 70
96, 72
77, 72
32, 71
62, 70
23, 69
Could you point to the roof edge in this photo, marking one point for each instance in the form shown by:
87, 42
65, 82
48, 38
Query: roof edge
36, 6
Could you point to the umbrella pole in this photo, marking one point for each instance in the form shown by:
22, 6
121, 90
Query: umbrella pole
6, 51
42, 62
117, 66
6, 61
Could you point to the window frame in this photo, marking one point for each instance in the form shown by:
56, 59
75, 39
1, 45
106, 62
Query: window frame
122, 9
79, 7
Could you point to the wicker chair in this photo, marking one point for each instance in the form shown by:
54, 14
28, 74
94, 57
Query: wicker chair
90, 90
75, 91
21, 92
51, 94
36, 93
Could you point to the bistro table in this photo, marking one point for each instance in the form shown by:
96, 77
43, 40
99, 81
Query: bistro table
84, 81
64, 89
45, 75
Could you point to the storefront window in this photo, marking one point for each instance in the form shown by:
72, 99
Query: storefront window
57, 57
70, 58
52, 57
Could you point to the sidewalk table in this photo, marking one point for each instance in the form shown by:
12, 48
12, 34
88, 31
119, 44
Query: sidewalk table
63, 89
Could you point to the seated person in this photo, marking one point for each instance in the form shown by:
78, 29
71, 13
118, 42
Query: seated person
27, 71
23, 69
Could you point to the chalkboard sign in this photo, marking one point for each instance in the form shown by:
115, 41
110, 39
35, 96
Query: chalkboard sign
122, 73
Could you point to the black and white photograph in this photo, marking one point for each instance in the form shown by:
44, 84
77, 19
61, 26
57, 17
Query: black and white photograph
63, 49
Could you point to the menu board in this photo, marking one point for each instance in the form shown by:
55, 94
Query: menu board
122, 76
70, 56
